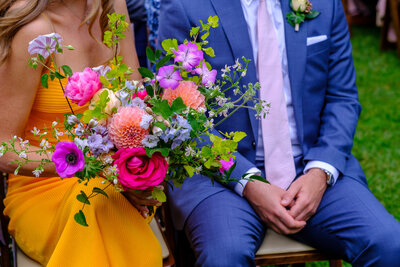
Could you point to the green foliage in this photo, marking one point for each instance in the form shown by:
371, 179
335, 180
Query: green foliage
82, 197
98, 111
158, 194
164, 151
80, 218
44, 80
170, 45
117, 26
100, 191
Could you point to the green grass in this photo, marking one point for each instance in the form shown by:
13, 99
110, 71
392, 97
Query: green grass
377, 140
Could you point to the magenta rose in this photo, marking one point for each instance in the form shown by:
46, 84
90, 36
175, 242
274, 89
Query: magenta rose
138, 171
82, 86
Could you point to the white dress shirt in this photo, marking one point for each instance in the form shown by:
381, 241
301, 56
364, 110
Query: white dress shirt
250, 11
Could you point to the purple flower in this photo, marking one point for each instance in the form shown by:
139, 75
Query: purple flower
168, 78
189, 55
68, 159
44, 45
208, 76
226, 165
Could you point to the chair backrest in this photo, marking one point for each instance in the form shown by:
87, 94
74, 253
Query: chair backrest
5, 241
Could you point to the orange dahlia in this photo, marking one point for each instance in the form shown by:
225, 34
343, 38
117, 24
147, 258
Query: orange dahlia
124, 128
187, 90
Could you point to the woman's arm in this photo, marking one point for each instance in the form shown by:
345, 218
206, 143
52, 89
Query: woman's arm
18, 86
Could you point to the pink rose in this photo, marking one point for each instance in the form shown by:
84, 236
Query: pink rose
226, 165
138, 171
82, 86
140, 94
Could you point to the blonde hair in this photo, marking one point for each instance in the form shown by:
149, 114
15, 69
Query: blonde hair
12, 20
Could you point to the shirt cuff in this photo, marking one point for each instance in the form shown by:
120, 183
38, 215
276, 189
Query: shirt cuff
324, 166
239, 187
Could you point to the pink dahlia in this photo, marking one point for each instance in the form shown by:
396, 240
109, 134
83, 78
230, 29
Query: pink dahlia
124, 128
187, 90
82, 86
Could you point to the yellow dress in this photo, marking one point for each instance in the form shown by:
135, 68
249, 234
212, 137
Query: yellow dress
42, 210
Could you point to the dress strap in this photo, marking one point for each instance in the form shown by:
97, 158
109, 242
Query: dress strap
51, 24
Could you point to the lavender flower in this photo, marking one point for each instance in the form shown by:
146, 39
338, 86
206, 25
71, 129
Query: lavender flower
44, 45
72, 120
124, 97
189, 55
150, 141
80, 130
208, 76
168, 78
139, 103
146, 121
102, 70
81, 143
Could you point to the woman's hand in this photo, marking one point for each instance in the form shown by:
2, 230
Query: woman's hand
141, 200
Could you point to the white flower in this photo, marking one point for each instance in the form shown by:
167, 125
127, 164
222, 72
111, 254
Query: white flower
157, 131
92, 123
115, 181
35, 131
189, 151
37, 172
22, 155
44, 144
211, 113
2, 150
221, 100
209, 123
198, 169
299, 5
54, 124
23, 143
244, 73
236, 91
16, 171
202, 110
81, 143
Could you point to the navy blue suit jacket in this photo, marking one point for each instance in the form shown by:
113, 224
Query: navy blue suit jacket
322, 79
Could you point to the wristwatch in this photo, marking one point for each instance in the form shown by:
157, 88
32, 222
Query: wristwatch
329, 177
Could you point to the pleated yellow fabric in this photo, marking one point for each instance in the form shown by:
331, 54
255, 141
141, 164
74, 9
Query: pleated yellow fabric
41, 210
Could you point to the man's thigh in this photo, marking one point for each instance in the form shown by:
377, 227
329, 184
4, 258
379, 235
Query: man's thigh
224, 230
351, 223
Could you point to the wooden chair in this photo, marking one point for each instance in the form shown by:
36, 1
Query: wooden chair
21, 260
278, 249
392, 15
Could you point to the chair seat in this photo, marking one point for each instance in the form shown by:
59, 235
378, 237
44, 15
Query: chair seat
25, 261
276, 244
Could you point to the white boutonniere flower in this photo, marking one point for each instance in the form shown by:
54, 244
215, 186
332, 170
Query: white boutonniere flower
302, 10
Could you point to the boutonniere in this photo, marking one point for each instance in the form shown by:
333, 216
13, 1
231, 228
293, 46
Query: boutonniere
302, 10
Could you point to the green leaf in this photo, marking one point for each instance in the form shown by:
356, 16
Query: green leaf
158, 53
104, 81
83, 198
163, 150
162, 108
194, 31
190, 170
150, 90
150, 55
204, 36
209, 51
177, 105
213, 21
44, 80
239, 136
80, 218
59, 75
256, 177
158, 194
145, 72
99, 191
169, 45
160, 125
67, 70
313, 14
163, 61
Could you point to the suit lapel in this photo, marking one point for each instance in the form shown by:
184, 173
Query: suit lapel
232, 21
296, 54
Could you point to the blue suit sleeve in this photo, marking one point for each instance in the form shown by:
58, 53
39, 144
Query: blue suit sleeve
340, 115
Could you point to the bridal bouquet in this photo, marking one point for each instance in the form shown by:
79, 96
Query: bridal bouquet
139, 134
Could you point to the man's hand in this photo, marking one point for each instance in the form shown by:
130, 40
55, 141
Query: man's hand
140, 200
305, 194
266, 201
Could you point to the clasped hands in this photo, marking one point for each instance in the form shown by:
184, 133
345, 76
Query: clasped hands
287, 212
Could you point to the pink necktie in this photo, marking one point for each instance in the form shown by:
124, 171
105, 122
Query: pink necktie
278, 157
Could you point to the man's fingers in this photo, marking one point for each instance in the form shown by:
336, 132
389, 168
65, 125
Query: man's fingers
302, 206
290, 194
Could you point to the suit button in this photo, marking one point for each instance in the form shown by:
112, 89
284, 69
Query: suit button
253, 144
